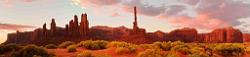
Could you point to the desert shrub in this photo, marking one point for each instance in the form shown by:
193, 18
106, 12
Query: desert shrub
51, 46
198, 55
12, 47
2, 49
185, 49
30, 51
72, 48
150, 53
148, 46
102, 55
229, 49
85, 54
247, 49
197, 50
36, 56
122, 50
116, 44
176, 43
94, 45
163, 45
9, 48
171, 54
66, 44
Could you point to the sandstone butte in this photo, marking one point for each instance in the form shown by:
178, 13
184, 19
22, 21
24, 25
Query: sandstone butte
75, 31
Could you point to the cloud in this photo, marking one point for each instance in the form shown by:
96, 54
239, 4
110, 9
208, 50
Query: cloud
28, 1
227, 10
13, 27
244, 27
115, 14
202, 21
10, 3
202, 14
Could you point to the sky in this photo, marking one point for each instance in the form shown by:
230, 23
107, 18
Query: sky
153, 15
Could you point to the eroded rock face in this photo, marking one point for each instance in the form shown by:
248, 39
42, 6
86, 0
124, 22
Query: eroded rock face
76, 26
185, 34
84, 25
224, 35
217, 35
234, 35
53, 27
246, 37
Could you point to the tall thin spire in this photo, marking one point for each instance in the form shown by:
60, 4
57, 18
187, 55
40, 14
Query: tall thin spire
135, 27
135, 14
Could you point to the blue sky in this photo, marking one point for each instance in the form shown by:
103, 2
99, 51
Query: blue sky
164, 15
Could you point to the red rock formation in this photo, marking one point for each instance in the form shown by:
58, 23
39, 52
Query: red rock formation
84, 25
246, 37
224, 35
185, 34
136, 29
234, 35
71, 27
53, 27
45, 34
76, 26
217, 35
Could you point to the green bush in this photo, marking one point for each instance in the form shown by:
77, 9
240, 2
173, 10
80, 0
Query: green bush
30, 51
85, 54
66, 44
229, 49
72, 48
51, 46
93, 45
150, 53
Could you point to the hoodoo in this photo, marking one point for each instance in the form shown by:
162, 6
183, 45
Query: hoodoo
53, 27
136, 29
84, 25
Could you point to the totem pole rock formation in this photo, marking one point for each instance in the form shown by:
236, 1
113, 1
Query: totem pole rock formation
71, 28
53, 27
45, 33
84, 25
67, 29
136, 29
76, 26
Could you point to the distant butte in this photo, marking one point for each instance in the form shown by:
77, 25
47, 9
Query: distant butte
75, 31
